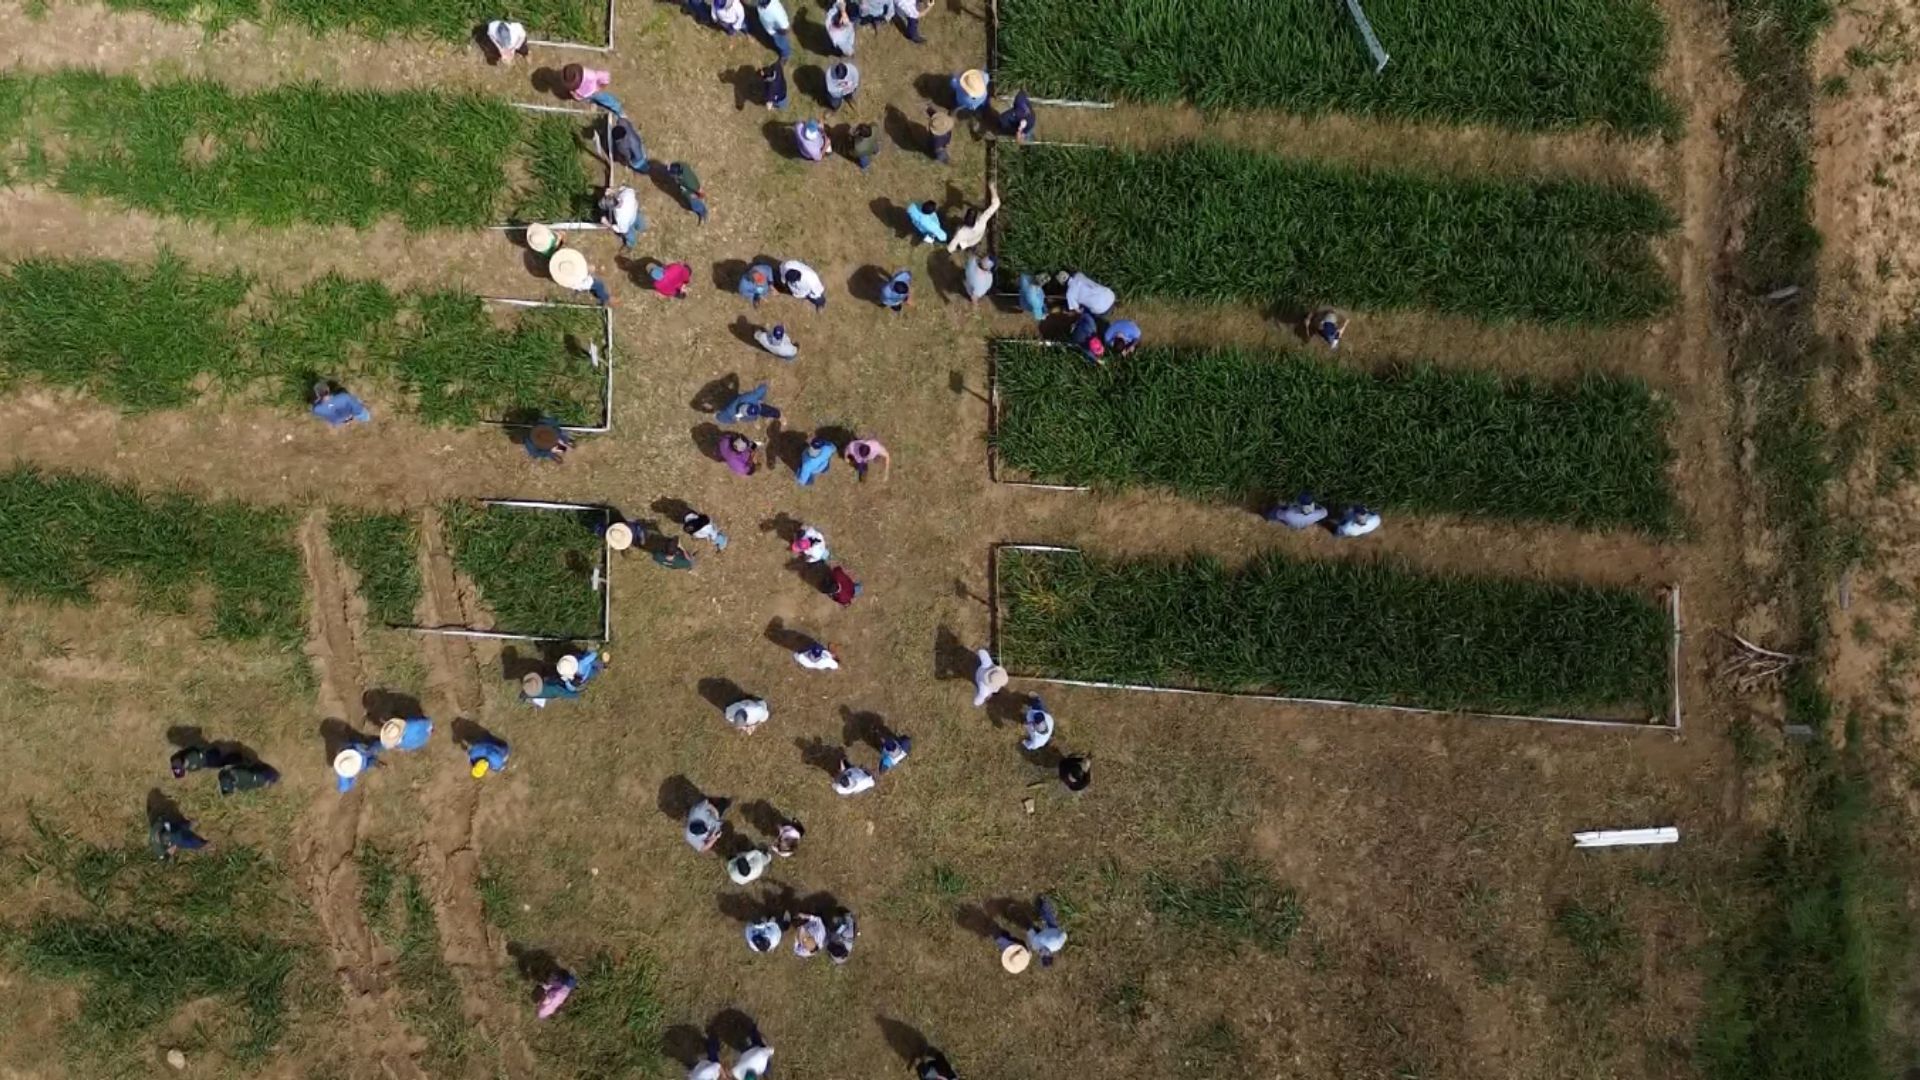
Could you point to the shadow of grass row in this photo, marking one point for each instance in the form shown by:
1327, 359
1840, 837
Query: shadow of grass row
61, 537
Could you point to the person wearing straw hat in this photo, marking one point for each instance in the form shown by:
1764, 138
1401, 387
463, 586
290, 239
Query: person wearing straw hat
897, 290
353, 759
862, 453
1086, 294
730, 15
763, 936
577, 670
973, 224
1355, 520
485, 756
537, 691
1014, 956
590, 84
866, 146
874, 12
840, 28
543, 241
978, 278
989, 678
568, 269
746, 867
1036, 724
841, 588
671, 280
739, 453
778, 27
939, 133
746, 715
809, 935
810, 544
851, 779
1302, 513
338, 407
925, 219
777, 341
969, 90
843, 81
756, 283
620, 536
620, 213
168, 832
753, 1062
547, 442
507, 39
748, 407
1018, 121
803, 283
811, 139
1327, 324
406, 733
773, 85
815, 460
688, 182
704, 827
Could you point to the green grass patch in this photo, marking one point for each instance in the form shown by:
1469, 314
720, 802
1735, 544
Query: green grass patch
1350, 630
154, 337
1232, 902
63, 535
611, 1026
555, 20
430, 999
533, 567
291, 154
1513, 63
1232, 225
1244, 426
384, 550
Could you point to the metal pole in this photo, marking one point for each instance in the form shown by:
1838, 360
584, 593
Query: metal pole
1366, 32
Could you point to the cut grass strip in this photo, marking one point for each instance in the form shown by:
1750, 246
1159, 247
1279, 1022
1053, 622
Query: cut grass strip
1515, 63
146, 338
1246, 426
384, 550
291, 154
1215, 223
533, 567
582, 21
1376, 632
61, 536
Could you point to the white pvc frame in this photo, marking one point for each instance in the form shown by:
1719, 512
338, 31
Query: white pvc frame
993, 421
605, 590
607, 48
606, 127
606, 393
1672, 728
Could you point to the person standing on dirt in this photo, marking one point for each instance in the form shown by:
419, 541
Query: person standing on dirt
810, 138
817, 657
730, 15
746, 715
933, 1065
893, 752
1355, 520
841, 933
167, 833
701, 527
546, 442
866, 146
909, 12
1018, 121
897, 290
554, 991
590, 84
1036, 725
851, 779
925, 219
1327, 324
1301, 513
748, 407
688, 182
746, 867
738, 452
777, 341
508, 39
862, 453
803, 283
356, 757
874, 12
843, 81
624, 145
703, 823
939, 133
337, 407
989, 678
1046, 939
773, 85
810, 544
970, 91
815, 460
486, 755
195, 758
620, 213
840, 28
672, 556
978, 278
841, 587
973, 224
763, 936
756, 1059
778, 27
786, 839
809, 934
756, 283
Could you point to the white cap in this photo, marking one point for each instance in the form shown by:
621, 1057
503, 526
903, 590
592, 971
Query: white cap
567, 666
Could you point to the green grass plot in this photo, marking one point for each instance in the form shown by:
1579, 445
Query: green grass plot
533, 567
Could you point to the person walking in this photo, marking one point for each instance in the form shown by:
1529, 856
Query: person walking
897, 291
862, 453
739, 453
763, 936
1033, 298
508, 39
756, 283
893, 751
1086, 294
1327, 324
746, 867
337, 407
746, 715
815, 461
778, 28
817, 657
939, 133
909, 12
1018, 121
803, 283
1046, 939
841, 587
406, 734
547, 442
843, 81
811, 140
590, 84
1036, 725
969, 91
247, 776
1302, 513
875, 12
989, 678
925, 219
840, 28
851, 779
730, 15
704, 823
671, 280
866, 146
777, 342
1355, 520
810, 544
748, 408
356, 757
701, 527
485, 756
688, 182
973, 227
773, 85
979, 278
623, 145
568, 269
620, 213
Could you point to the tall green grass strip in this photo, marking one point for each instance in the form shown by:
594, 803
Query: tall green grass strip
1249, 426
62, 537
583, 21
534, 568
1514, 63
289, 155
1209, 222
1231, 902
383, 550
149, 337
1373, 632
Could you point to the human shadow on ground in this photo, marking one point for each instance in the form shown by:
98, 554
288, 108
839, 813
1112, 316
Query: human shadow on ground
786, 446
678, 795
764, 817
743, 328
535, 965
820, 754
894, 216
467, 732
783, 525
186, 738
810, 81
862, 728
715, 395
787, 638
906, 134
745, 81
673, 510
903, 1039
867, 282
706, 438
952, 658
335, 734
721, 693
380, 706
780, 138
161, 807
684, 1043
977, 920
810, 31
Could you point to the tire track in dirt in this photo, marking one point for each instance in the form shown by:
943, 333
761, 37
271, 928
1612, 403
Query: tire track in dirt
331, 831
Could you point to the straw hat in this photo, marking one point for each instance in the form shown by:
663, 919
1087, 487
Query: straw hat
349, 762
568, 666
480, 768
568, 269
532, 685
619, 536
939, 121
973, 83
1015, 958
540, 238
392, 732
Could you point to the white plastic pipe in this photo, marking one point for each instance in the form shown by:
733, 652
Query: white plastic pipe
1665, 834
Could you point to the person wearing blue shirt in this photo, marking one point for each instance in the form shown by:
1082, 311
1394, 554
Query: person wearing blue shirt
486, 755
1122, 337
748, 407
337, 407
756, 283
819, 455
970, 90
925, 218
406, 733
897, 291
356, 757
1033, 299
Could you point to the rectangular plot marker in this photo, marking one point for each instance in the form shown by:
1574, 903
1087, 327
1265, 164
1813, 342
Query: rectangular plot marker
1366, 31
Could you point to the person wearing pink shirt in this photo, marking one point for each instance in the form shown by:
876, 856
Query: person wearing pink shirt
671, 280
590, 84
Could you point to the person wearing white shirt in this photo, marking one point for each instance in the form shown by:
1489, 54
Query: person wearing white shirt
703, 824
973, 226
852, 779
1036, 725
817, 657
773, 19
755, 1059
763, 936
1356, 520
777, 341
810, 545
909, 12
620, 209
803, 283
747, 714
979, 278
509, 39
746, 867
809, 935
730, 15
709, 1067
988, 679
1301, 513
1086, 294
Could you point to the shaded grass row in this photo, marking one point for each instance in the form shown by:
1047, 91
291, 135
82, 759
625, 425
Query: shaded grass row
383, 550
291, 154
1215, 223
151, 337
1240, 425
1375, 632
1515, 63
62, 536
563, 20
533, 567
1233, 902
430, 996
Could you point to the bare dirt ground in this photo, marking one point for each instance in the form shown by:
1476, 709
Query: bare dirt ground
1431, 855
